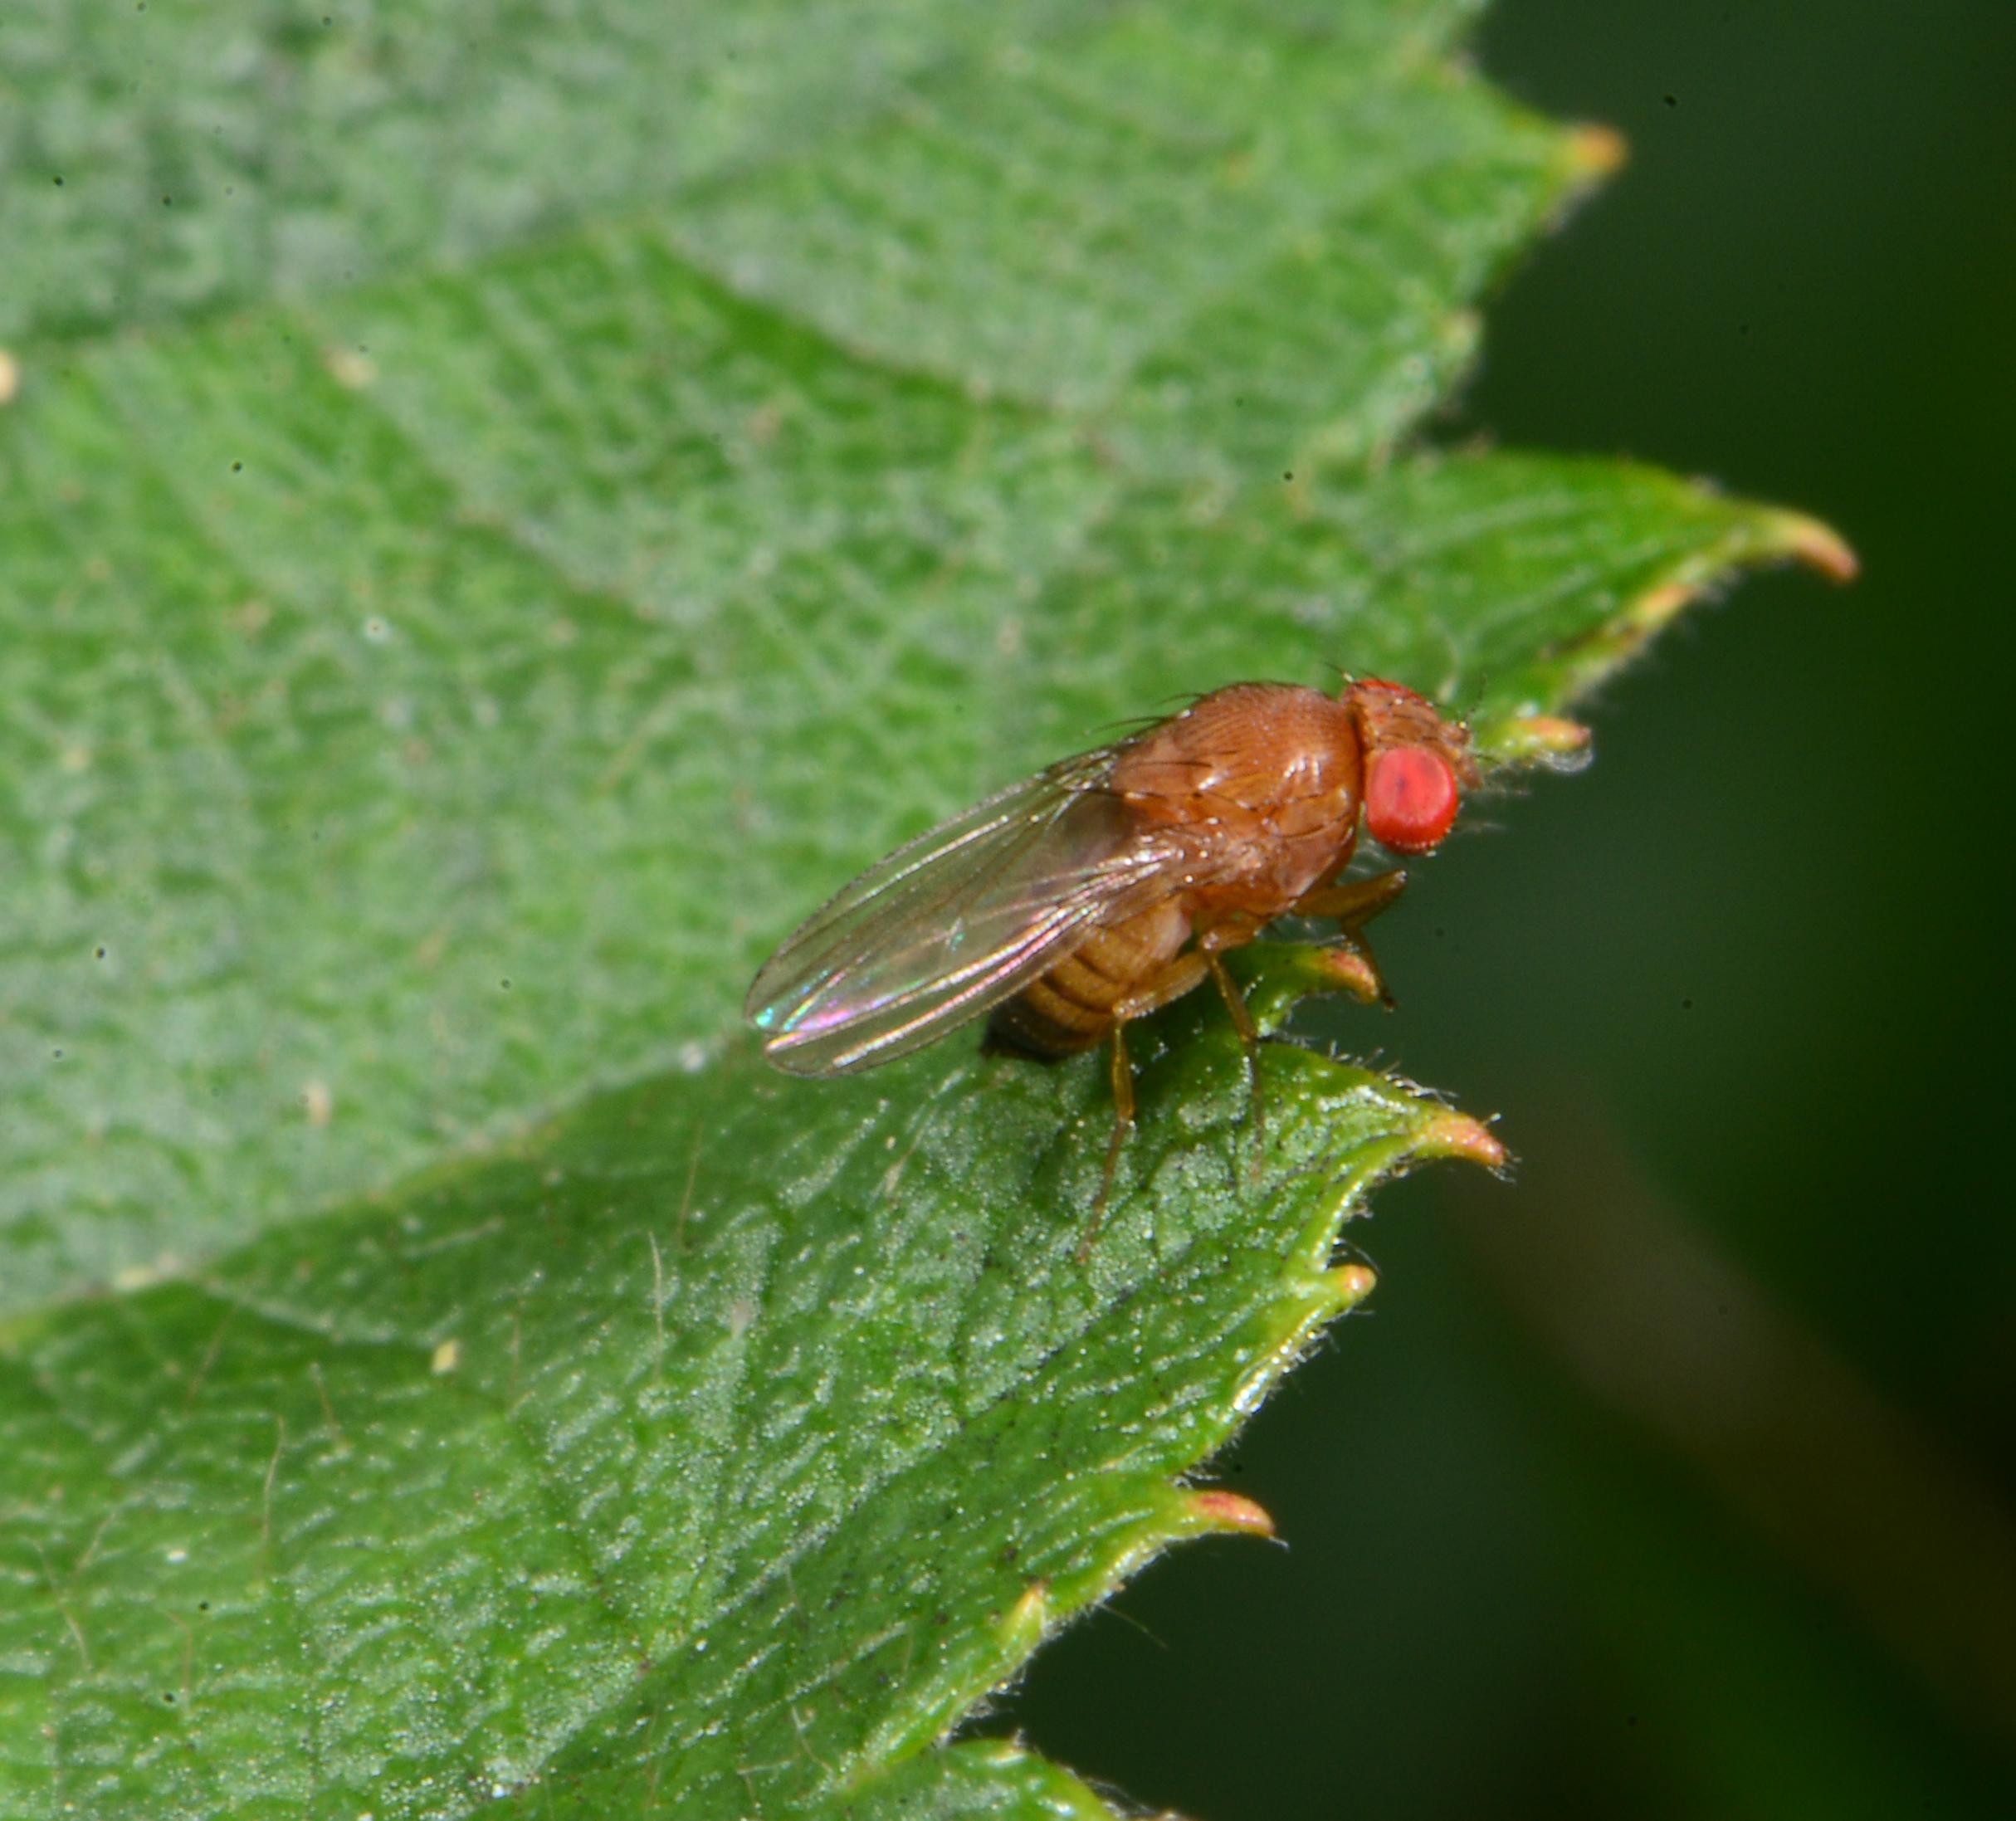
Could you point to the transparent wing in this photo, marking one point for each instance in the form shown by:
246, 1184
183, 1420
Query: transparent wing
963, 917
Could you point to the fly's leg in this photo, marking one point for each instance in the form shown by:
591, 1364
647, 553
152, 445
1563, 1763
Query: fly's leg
1354, 903
1122, 1123
1249, 1040
1175, 978
1352, 907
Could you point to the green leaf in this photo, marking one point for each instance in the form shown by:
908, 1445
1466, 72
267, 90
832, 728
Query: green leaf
497, 519
723, 1440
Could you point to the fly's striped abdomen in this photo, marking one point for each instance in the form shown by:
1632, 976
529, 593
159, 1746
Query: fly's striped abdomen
1073, 1006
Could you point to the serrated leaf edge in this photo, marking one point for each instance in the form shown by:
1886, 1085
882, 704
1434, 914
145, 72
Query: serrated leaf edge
1312, 1293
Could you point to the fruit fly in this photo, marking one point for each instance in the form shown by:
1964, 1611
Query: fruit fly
1107, 885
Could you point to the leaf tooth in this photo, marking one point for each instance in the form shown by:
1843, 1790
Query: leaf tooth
1770, 534
1817, 545
1021, 1628
1447, 1133
1348, 1286
1180, 1513
1327, 1292
1213, 1510
1552, 740
1593, 151
1277, 976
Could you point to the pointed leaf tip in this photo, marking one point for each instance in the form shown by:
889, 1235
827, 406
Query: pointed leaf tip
1769, 534
1022, 1628
1351, 1284
1596, 151
1275, 978
1343, 969
1818, 545
1458, 1136
1537, 739
1215, 1509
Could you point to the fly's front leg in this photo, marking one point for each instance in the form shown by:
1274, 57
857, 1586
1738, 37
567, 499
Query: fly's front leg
1352, 907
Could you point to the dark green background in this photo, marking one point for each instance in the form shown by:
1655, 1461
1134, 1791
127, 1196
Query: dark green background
1745, 980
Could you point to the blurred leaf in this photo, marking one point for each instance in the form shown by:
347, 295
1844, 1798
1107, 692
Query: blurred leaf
499, 518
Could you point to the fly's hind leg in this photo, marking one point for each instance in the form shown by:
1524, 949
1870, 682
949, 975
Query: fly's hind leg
1122, 1123
1352, 907
1171, 981
1249, 1041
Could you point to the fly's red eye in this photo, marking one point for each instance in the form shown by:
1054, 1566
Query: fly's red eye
1410, 798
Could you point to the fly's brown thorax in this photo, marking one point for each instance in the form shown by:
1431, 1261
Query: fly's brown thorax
1265, 778
1263, 782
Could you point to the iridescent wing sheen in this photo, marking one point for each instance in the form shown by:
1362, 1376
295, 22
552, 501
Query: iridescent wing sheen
962, 918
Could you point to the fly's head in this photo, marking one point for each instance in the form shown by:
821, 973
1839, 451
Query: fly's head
1417, 765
